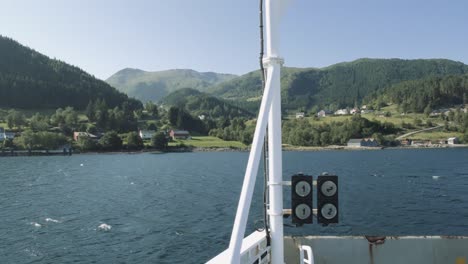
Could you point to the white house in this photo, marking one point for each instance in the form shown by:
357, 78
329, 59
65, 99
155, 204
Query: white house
323, 113
452, 141
362, 142
300, 115
6, 135
354, 111
342, 112
146, 134
9, 135
201, 117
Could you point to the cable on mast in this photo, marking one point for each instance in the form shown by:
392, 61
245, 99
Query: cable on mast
265, 142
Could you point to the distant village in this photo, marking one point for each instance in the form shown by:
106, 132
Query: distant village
78, 136
152, 138
372, 142
144, 135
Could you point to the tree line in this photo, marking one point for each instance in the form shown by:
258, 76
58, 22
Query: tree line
426, 95
30, 80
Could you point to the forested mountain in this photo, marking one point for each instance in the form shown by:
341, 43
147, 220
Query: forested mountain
198, 103
29, 79
155, 85
426, 94
339, 85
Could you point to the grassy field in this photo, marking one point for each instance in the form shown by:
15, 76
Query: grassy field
397, 119
208, 142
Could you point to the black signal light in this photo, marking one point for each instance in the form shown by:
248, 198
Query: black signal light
302, 199
327, 199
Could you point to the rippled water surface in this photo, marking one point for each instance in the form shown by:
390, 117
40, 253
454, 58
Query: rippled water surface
179, 208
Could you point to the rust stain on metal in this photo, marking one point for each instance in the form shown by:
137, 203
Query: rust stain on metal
377, 240
453, 237
371, 253
374, 240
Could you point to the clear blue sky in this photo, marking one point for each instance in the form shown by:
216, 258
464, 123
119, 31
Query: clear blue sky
104, 36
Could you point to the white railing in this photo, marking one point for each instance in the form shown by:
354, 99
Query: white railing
306, 259
254, 248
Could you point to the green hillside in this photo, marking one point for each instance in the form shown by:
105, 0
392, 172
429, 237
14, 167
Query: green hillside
198, 103
426, 94
29, 80
339, 85
154, 86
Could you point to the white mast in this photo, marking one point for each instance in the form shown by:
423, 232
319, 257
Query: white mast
271, 104
272, 63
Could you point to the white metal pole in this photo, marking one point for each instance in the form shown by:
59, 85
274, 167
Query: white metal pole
275, 159
245, 199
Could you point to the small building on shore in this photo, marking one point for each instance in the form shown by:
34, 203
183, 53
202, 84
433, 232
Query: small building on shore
421, 143
452, 141
4, 135
362, 142
179, 134
9, 135
146, 134
78, 135
324, 113
342, 112
300, 115
406, 142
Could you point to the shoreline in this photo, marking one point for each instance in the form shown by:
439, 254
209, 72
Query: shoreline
23, 153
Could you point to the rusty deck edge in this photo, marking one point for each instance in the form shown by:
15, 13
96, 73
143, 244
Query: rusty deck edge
386, 237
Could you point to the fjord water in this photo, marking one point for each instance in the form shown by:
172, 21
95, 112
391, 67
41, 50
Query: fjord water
179, 207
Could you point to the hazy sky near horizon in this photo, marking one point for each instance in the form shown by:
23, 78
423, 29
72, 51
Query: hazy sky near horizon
104, 36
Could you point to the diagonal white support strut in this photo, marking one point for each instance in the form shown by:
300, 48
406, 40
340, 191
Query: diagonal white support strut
271, 107
245, 199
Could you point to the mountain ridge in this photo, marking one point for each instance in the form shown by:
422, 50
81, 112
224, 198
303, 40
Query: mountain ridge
154, 85
338, 85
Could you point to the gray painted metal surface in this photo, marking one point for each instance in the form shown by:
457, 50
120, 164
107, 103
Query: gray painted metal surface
380, 250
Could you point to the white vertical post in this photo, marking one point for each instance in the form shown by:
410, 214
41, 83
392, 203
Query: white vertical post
275, 168
275, 159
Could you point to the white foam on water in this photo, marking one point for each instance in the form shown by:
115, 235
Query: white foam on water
104, 227
132, 183
81, 164
52, 220
35, 224
435, 177
32, 252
